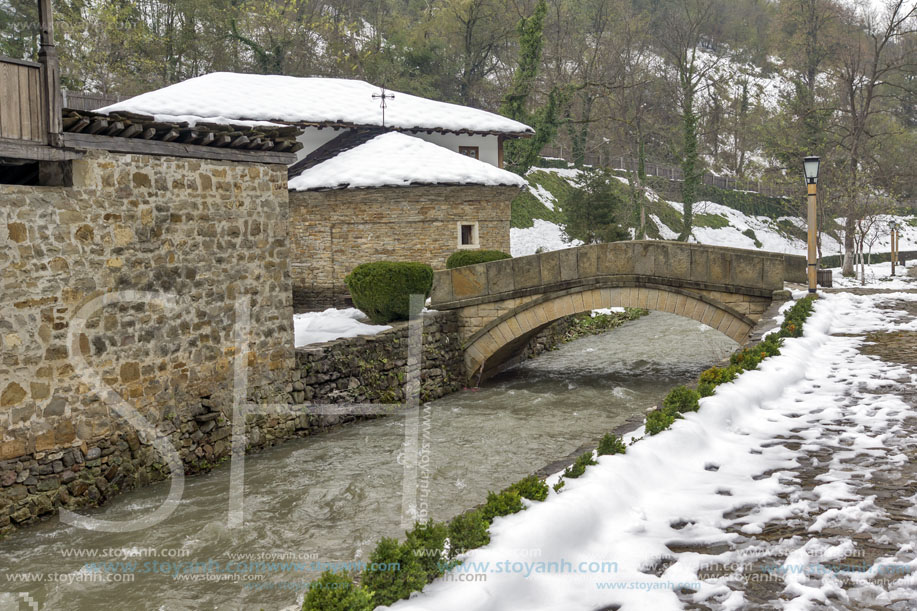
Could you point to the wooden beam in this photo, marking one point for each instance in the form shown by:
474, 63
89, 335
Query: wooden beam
96, 126
50, 74
148, 133
174, 149
171, 135
113, 129
35, 152
131, 131
222, 140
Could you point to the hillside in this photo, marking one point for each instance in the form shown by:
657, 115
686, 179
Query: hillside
538, 218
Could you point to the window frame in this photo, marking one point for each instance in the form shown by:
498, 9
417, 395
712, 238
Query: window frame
475, 235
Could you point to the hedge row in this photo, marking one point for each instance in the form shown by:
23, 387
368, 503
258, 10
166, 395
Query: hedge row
396, 569
876, 257
461, 258
683, 399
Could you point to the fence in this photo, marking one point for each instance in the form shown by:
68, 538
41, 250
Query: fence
76, 100
21, 108
670, 172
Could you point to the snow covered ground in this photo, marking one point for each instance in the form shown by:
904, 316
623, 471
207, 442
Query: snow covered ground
878, 275
543, 236
317, 327
549, 236
766, 493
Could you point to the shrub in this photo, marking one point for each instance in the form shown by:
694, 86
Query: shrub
681, 399
611, 444
336, 592
531, 488
503, 504
382, 290
392, 572
795, 317
659, 420
467, 531
559, 484
579, 467
427, 542
750, 233
461, 258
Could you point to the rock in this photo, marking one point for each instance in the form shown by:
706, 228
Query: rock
912, 271
93, 453
8, 478
49, 483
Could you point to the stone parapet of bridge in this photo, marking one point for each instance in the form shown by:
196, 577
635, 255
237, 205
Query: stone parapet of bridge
504, 303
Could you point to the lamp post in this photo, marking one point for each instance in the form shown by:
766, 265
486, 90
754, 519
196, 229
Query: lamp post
810, 165
893, 226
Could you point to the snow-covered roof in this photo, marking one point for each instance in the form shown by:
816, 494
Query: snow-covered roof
228, 96
394, 159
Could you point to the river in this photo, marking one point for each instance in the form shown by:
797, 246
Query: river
329, 498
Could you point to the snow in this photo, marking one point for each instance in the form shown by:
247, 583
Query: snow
676, 496
542, 236
228, 97
317, 327
543, 195
396, 159
878, 275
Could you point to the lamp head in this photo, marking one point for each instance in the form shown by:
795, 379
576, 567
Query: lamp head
811, 168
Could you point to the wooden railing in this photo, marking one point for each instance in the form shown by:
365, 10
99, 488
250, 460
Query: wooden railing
22, 114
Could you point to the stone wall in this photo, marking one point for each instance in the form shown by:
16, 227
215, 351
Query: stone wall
332, 232
205, 234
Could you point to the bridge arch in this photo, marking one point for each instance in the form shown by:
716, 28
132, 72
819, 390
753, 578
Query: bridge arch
501, 304
504, 336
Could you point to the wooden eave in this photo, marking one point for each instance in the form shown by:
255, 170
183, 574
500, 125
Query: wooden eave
126, 132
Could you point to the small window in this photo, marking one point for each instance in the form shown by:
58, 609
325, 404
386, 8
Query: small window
468, 235
470, 151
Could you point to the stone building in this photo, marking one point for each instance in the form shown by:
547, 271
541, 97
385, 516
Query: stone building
132, 251
414, 180
387, 196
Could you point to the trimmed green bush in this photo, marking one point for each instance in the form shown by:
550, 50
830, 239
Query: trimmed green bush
467, 531
611, 444
336, 592
795, 317
461, 258
501, 504
681, 399
392, 572
531, 487
579, 467
750, 233
382, 289
427, 542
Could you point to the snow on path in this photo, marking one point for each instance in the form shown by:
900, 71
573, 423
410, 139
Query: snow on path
694, 515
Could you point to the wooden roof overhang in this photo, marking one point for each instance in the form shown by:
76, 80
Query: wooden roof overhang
125, 132
428, 130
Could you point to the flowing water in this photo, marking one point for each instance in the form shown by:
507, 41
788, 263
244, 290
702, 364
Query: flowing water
329, 498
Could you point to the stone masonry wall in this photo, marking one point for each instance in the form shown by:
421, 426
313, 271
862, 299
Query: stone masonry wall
208, 234
331, 232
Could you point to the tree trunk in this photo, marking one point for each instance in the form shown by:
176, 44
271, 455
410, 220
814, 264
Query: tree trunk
689, 161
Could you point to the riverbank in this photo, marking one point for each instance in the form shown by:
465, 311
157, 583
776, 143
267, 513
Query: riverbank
755, 498
330, 497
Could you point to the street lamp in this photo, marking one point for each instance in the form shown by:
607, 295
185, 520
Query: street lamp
893, 226
810, 165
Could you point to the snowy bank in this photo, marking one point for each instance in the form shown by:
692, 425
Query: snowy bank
317, 327
639, 529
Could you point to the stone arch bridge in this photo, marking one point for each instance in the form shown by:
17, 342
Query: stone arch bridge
502, 304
